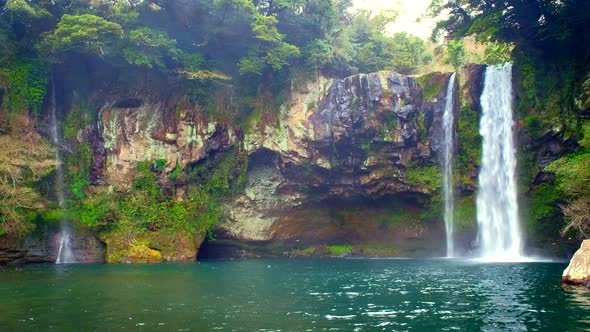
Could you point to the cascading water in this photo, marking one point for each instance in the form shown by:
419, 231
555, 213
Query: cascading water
64, 253
448, 132
497, 207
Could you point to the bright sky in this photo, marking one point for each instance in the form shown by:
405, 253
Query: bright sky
409, 10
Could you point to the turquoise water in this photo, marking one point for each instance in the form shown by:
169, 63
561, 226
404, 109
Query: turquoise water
292, 295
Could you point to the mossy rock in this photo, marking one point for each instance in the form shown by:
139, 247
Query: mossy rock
151, 247
304, 252
339, 250
142, 254
432, 84
376, 250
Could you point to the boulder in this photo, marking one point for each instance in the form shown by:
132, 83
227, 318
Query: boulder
578, 271
151, 247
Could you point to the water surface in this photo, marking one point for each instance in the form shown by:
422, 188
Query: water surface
292, 295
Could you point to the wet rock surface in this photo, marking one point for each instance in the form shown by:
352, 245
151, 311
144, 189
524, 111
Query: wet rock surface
332, 142
356, 146
43, 245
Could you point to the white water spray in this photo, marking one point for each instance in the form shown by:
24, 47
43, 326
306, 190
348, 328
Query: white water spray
448, 132
497, 206
64, 254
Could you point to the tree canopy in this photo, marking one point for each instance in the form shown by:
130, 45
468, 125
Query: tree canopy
534, 24
237, 37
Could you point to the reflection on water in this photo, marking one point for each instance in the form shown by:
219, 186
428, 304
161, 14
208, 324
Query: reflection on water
292, 295
505, 295
580, 298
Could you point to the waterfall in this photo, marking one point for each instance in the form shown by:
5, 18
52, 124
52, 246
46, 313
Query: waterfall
497, 207
64, 254
448, 133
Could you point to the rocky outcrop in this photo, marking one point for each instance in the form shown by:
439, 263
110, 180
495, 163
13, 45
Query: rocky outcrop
472, 81
151, 247
350, 161
351, 139
137, 130
578, 271
358, 139
42, 247
350, 148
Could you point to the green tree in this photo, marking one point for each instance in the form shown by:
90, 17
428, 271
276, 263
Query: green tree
497, 53
85, 33
409, 53
151, 48
273, 50
455, 53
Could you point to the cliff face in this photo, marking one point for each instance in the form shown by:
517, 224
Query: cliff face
42, 247
337, 171
351, 146
135, 129
350, 163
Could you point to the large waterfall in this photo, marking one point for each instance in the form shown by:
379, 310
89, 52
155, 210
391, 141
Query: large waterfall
64, 254
497, 207
448, 133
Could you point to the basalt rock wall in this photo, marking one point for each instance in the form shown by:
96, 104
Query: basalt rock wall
350, 163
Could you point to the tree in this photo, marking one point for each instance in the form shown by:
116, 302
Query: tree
315, 54
409, 53
149, 47
497, 53
455, 53
85, 33
559, 26
273, 50
25, 21
368, 47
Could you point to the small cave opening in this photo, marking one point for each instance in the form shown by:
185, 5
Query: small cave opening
206, 252
129, 103
215, 249
262, 158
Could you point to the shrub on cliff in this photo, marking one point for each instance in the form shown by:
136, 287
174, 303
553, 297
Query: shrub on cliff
578, 213
23, 160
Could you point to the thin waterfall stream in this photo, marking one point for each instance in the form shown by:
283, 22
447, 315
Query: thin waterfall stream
64, 253
497, 205
448, 131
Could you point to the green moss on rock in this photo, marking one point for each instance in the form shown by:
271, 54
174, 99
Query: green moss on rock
469, 152
432, 84
151, 247
428, 178
465, 215
339, 250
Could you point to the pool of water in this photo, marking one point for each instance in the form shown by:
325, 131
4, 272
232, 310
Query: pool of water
292, 295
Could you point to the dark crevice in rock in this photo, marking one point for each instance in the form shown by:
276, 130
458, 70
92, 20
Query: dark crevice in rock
128, 103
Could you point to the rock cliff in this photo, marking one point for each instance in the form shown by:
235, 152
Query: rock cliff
336, 169
350, 162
